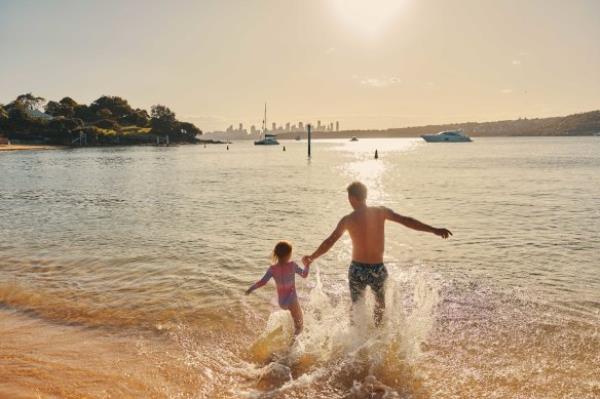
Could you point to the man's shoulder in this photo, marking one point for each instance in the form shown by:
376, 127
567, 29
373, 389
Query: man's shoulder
379, 210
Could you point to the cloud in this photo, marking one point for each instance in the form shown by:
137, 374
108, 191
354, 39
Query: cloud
380, 82
506, 91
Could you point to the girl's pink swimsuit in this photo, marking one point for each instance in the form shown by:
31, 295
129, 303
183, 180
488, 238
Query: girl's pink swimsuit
285, 278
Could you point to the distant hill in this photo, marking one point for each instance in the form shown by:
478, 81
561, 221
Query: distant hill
583, 124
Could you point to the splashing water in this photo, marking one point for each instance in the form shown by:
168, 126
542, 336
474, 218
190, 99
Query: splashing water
343, 348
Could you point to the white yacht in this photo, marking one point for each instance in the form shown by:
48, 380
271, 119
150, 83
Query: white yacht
452, 136
267, 139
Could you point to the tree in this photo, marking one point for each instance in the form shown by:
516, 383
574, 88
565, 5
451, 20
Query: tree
104, 113
189, 130
29, 101
163, 119
84, 113
162, 112
139, 117
59, 109
19, 117
68, 102
3, 119
118, 106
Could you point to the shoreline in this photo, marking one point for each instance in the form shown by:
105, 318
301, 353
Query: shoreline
28, 147
44, 147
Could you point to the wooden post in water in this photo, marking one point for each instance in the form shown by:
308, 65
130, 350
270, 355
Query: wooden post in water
309, 128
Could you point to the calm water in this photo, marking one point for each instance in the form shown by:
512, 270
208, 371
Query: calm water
122, 271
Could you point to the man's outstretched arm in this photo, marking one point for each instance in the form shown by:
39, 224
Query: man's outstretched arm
327, 244
414, 224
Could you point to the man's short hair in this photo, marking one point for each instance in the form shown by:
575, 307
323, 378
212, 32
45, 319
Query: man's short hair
357, 190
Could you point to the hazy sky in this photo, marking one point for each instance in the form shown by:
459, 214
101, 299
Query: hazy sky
366, 63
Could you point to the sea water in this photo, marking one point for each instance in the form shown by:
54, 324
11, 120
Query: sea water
122, 271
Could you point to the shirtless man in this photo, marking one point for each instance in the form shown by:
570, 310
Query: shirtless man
366, 228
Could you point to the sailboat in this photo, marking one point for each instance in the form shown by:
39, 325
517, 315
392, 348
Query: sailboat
267, 139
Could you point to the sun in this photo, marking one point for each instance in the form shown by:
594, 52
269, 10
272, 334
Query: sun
367, 17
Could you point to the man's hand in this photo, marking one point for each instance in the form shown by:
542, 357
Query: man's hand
444, 233
306, 260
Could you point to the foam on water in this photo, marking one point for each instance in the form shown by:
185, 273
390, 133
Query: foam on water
344, 349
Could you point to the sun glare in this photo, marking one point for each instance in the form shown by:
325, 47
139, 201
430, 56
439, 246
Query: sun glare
367, 17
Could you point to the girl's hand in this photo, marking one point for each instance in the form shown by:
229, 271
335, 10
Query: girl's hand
307, 260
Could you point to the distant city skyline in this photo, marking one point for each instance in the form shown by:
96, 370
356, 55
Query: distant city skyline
287, 127
368, 64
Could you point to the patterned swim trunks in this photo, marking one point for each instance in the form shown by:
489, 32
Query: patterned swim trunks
362, 274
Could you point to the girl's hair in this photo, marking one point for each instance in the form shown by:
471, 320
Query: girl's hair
282, 250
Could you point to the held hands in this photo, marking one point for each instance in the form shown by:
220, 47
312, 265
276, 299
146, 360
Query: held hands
307, 260
444, 233
248, 291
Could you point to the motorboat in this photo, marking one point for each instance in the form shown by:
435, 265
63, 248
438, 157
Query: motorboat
354, 138
451, 136
267, 139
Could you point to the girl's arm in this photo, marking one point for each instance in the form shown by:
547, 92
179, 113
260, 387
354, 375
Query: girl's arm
260, 282
301, 272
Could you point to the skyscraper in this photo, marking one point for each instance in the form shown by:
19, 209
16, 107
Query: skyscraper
337, 126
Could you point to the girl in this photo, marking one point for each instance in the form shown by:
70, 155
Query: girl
283, 271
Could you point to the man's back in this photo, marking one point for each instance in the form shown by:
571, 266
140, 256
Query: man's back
366, 227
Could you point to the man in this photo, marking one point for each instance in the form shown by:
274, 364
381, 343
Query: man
366, 228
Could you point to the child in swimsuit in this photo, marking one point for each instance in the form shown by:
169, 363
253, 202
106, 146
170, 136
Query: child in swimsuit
283, 272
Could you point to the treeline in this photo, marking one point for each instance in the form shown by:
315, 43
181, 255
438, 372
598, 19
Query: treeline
582, 124
109, 120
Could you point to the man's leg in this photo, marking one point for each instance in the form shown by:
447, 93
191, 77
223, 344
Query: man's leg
379, 310
357, 287
377, 284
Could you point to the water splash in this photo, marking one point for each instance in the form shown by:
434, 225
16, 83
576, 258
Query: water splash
342, 348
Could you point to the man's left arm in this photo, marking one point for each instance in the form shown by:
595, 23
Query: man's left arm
414, 224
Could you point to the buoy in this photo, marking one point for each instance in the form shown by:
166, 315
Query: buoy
283, 148
376, 155
227, 148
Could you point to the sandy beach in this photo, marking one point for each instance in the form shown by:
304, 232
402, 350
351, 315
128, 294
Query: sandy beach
26, 147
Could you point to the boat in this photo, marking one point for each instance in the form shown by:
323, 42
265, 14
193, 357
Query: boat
267, 139
451, 136
354, 138
298, 138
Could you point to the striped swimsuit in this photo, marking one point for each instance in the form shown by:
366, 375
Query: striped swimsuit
284, 276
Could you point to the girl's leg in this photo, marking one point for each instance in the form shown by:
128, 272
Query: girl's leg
296, 312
